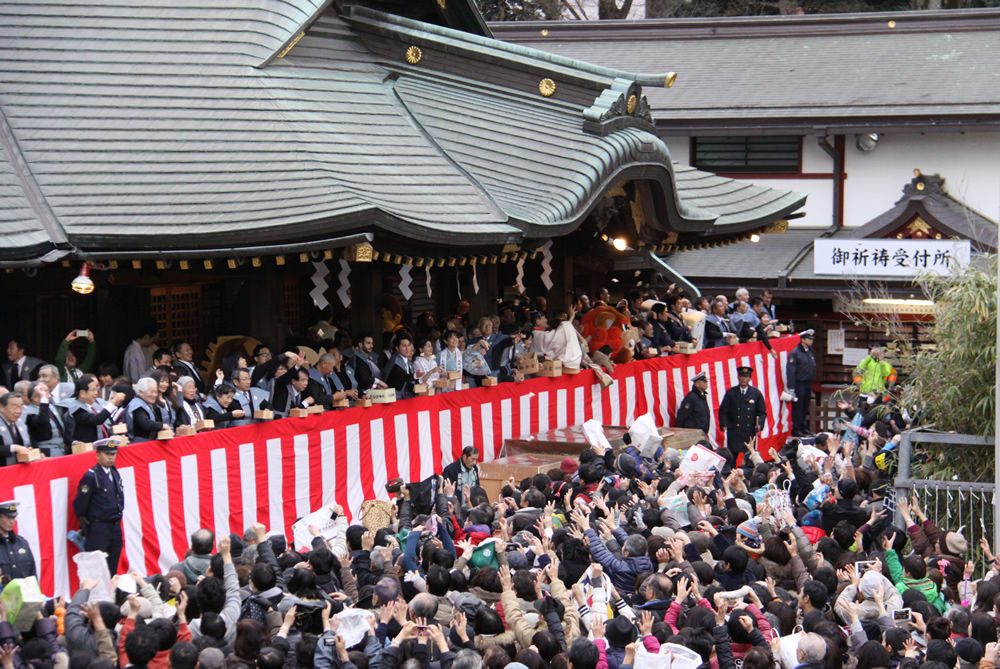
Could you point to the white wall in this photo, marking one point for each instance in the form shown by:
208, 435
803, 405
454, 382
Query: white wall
969, 163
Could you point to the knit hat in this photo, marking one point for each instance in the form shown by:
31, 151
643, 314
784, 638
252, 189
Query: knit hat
626, 465
812, 519
211, 658
748, 529
145, 608
517, 560
955, 543
569, 466
179, 575
467, 603
969, 651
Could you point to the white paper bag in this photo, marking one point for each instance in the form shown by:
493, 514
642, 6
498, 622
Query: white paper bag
645, 436
678, 507
94, 564
700, 459
788, 655
321, 519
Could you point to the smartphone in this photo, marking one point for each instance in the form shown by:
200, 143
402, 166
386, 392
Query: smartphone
901, 616
862, 567
82, 333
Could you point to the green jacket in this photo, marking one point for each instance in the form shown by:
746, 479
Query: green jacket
84, 365
873, 374
925, 586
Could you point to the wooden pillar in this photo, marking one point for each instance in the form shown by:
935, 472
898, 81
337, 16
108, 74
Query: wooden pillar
483, 303
366, 299
265, 319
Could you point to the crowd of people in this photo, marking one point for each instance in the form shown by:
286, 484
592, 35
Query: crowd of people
611, 560
51, 407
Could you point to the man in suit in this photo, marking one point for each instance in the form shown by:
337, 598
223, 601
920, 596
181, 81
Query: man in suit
742, 413
47, 423
58, 392
138, 360
677, 329
398, 371
294, 389
248, 400
326, 374
91, 417
100, 503
19, 367
184, 365
694, 412
365, 364
14, 435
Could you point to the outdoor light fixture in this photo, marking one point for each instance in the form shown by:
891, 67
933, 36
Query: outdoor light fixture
620, 244
866, 143
755, 238
83, 284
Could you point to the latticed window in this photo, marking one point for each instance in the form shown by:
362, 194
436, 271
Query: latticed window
178, 311
748, 154
293, 306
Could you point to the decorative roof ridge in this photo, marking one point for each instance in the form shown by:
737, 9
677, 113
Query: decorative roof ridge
950, 20
363, 17
296, 35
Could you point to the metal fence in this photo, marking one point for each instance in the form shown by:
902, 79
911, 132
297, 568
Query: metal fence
965, 506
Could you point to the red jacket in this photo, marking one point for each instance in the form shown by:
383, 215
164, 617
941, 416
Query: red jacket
162, 658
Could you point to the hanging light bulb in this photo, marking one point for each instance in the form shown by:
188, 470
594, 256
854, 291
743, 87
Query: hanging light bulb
620, 244
83, 284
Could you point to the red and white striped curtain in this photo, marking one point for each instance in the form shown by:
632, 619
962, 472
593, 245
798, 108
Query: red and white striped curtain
276, 472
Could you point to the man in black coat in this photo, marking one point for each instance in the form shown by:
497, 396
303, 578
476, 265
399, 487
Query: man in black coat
801, 370
742, 413
694, 412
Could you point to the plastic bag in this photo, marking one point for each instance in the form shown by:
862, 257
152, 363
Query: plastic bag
94, 564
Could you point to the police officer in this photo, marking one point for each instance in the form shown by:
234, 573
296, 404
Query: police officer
100, 501
16, 560
801, 370
742, 413
695, 412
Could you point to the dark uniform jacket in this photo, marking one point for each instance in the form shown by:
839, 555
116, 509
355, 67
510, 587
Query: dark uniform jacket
100, 497
694, 412
16, 560
801, 364
742, 416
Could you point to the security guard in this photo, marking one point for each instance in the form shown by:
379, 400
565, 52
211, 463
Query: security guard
16, 560
100, 501
800, 372
742, 413
694, 412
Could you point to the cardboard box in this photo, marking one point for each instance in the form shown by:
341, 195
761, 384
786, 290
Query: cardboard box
453, 376
263, 414
82, 447
32, 455
185, 431
442, 384
298, 413
344, 403
527, 363
382, 395
119, 428
465, 386
363, 402
165, 434
489, 381
550, 368
23, 599
425, 390
204, 425
316, 408
687, 347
